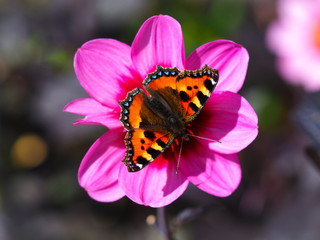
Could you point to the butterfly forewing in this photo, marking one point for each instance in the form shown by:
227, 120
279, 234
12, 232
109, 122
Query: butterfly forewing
130, 109
163, 82
135, 114
162, 78
194, 89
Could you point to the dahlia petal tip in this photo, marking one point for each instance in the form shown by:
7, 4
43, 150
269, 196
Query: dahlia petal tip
66, 107
216, 174
98, 176
229, 58
159, 41
103, 68
229, 119
157, 185
111, 194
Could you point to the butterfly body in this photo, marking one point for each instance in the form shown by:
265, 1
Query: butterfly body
172, 121
156, 118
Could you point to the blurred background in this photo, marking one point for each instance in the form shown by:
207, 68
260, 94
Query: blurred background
40, 150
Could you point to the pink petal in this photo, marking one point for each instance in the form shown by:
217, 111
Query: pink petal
292, 38
99, 169
293, 70
229, 118
156, 185
214, 173
110, 193
104, 69
94, 112
229, 58
159, 41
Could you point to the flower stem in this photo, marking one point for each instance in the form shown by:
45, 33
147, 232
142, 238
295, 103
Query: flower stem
163, 224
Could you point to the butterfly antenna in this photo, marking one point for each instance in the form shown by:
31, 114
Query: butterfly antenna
204, 138
179, 155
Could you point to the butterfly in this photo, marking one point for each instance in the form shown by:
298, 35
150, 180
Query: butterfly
153, 120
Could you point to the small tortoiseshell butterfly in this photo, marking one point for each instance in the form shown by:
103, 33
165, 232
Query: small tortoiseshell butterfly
154, 121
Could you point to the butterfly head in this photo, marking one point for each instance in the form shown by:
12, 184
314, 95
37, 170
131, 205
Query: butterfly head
176, 126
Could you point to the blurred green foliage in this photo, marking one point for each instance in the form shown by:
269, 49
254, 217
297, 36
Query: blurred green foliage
269, 107
201, 21
63, 187
60, 59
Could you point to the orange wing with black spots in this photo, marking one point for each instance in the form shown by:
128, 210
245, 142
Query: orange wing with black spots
130, 109
194, 89
143, 146
162, 83
162, 78
147, 137
135, 114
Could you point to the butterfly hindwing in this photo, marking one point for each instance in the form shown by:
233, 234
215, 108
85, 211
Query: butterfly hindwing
143, 146
194, 89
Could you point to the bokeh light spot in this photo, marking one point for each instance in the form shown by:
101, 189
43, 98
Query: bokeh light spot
29, 151
151, 220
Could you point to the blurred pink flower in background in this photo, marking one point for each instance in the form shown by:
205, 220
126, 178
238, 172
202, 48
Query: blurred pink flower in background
107, 69
295, 39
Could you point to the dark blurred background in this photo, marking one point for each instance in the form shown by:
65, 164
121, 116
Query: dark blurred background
40, 150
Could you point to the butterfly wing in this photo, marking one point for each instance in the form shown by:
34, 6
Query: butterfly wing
143, 146
161, 79
136, 114
161, 84
147, 137
194, 89
130, 109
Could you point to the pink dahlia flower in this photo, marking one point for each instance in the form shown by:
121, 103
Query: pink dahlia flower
107, 69
295, 38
